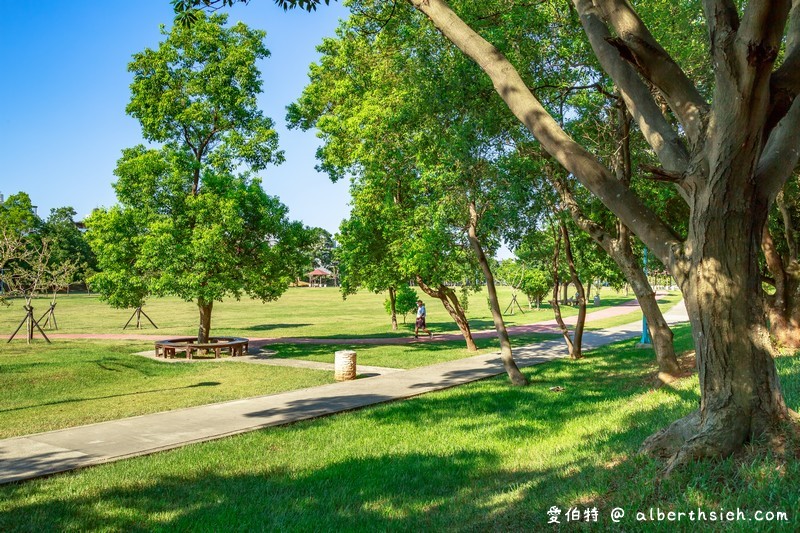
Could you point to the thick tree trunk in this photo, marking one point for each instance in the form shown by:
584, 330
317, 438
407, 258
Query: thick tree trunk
506, 355
450, 302
740, 393
580, 296
393, 304
204, 330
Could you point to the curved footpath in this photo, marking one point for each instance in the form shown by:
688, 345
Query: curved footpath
47, 453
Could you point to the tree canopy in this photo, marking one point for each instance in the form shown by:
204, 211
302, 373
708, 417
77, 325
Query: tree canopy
192, 219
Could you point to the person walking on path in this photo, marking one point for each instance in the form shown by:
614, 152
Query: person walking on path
421, 320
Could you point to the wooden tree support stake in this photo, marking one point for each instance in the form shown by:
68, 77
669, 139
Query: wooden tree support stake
31, 323
511, 306
138, 314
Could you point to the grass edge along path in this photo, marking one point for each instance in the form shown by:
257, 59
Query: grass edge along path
72, 383
66, 449
483, 456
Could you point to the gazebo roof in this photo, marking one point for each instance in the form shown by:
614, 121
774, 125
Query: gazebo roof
320, 272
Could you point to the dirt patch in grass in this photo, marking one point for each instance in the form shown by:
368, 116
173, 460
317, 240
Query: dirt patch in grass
688, 367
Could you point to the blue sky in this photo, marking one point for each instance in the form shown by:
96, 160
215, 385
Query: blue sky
64, 86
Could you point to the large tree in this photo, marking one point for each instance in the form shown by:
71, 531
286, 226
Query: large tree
200, 223
730, 156
444, 177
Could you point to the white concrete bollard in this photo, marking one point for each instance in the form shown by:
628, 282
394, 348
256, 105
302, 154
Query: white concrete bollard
345, 365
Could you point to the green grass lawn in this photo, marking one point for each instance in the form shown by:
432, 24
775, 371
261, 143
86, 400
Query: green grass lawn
664, 303
483, 456
397, 356
70, 383
300, 312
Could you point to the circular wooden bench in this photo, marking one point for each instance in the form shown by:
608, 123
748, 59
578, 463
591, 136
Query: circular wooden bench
232, 345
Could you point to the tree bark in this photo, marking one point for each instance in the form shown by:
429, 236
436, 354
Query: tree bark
580, 296
204, 330
506, 355
783, 307
741, 397
554, 302
450, 302
393, 304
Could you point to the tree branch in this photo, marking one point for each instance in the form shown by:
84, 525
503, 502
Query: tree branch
657, 66
722, 20
656, 130
785, 81
659, 174
572, 156
761, 30
788, 226
595, 230
780, 155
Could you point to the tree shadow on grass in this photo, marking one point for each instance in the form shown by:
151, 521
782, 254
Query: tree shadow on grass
461, 490
368, 490
268, 327
411, 476
124, 395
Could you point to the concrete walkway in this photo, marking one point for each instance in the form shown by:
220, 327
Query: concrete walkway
41, 454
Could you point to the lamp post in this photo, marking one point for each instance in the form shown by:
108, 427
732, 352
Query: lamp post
646, 341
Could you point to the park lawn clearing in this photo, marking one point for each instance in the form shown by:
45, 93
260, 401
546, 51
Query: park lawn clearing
483, 456
299, 312
665, 303
70, 383
412, 355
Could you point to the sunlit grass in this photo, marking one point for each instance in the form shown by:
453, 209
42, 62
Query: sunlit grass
483, 456
300, 312
70, 383
413, 355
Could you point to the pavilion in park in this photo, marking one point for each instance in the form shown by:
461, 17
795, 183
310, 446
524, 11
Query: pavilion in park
319, 277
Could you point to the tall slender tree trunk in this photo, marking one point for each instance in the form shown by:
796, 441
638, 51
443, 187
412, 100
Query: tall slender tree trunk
556, 307
450, 302
660, 332
580, 297
783, 307
204, 330
393, 305
506, 355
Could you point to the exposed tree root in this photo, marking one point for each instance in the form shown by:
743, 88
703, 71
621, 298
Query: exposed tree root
687, 440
